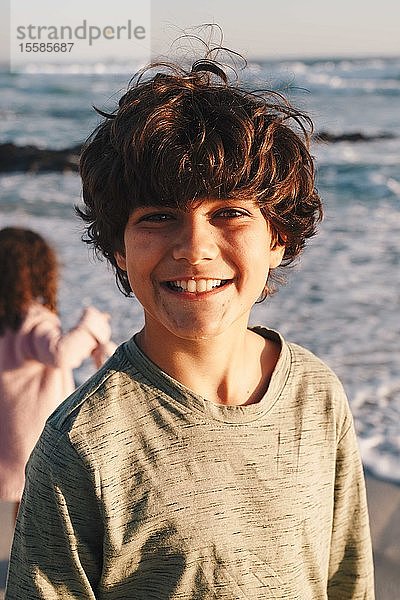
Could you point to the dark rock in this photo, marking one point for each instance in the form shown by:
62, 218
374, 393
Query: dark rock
356, 136
38, 160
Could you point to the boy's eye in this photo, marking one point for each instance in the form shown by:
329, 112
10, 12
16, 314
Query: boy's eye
156, 218
231, 213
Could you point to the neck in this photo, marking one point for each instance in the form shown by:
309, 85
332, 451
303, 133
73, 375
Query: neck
233, 368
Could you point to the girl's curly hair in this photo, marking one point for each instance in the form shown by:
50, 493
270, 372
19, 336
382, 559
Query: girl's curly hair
182, 135
28, 273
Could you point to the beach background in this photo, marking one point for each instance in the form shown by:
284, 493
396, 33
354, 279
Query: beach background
341, 300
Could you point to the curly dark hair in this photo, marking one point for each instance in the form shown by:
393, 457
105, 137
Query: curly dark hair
182, 135
28, 273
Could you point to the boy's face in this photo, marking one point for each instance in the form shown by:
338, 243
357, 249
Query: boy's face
197, 273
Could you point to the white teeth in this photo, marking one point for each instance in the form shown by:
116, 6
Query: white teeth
209, 285
192, 285
201, 286
197, 285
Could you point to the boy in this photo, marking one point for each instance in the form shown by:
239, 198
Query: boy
205, 459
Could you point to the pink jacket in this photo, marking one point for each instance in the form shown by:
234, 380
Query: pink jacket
36, 365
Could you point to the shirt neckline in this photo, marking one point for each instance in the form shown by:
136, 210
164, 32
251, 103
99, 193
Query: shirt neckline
193, 402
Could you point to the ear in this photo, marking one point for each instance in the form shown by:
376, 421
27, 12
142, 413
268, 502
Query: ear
276, 255
120, 260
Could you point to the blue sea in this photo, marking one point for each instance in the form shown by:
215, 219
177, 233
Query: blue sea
342, 298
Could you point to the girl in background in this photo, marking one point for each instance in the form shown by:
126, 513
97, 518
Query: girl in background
36, 358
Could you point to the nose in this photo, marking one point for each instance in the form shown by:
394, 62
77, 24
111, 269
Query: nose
196, 242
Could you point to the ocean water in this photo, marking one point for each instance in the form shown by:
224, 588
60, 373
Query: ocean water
342, 298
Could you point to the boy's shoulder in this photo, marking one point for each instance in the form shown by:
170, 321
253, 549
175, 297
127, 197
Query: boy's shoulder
301, 362
308, 363
313, 373
312, 392
101, 396
306, 383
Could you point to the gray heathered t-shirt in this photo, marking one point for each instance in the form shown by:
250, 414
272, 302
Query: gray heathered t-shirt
140, 489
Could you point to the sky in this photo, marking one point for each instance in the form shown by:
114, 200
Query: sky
275, 29
255, 28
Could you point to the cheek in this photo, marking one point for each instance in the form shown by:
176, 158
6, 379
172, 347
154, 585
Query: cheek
257, 255
138, 272
254, 268
142, 259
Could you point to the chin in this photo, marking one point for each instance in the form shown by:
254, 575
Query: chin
198, 333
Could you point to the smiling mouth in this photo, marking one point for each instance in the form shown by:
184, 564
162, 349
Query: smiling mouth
196, 286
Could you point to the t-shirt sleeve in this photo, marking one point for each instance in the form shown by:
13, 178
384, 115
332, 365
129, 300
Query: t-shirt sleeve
57, 547
351, 566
